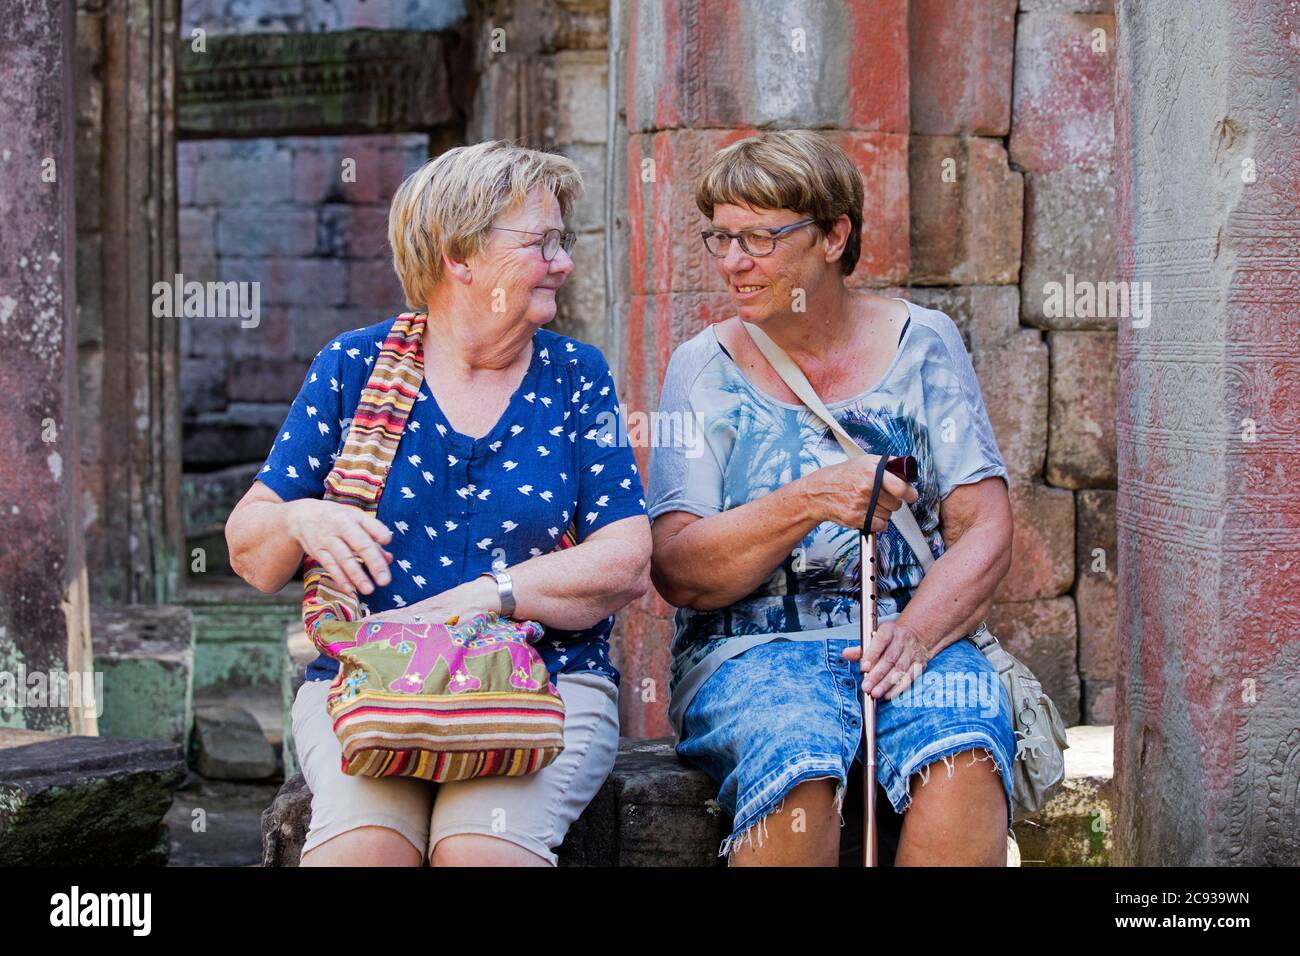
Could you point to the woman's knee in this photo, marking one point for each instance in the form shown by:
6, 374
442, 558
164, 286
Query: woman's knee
479, 849
364, 846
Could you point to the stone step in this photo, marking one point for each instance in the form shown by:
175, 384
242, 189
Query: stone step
656, 810
1075, 826
146, 654
230, 744
85, 801
239, 633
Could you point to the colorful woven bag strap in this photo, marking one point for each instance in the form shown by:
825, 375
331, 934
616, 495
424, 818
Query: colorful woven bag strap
358, 475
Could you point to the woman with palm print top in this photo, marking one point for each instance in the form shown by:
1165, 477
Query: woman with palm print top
756, 525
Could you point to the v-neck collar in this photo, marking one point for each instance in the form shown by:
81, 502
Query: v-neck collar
467, 446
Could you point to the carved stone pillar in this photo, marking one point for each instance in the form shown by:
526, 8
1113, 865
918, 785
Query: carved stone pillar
44, 610
1207, 727
126, 239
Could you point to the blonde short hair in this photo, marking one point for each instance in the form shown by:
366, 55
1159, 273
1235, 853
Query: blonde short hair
448, 204
788, 169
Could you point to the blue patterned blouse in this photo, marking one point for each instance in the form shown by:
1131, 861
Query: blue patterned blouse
458, 505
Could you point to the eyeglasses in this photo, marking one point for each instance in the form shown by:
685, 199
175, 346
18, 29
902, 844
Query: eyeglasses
553, 240
755, 242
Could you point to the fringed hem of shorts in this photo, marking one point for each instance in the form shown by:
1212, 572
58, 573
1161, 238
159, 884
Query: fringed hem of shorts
948, 759
734, 842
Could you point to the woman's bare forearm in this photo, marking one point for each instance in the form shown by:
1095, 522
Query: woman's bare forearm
957, 592
715, 561
569, 590
262, 551
581, 586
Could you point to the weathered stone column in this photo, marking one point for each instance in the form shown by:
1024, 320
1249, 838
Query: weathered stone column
126, 241
44, 614
542, 70
1207, 725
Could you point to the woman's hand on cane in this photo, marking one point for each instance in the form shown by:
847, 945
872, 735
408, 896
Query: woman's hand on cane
895, 658
841, 492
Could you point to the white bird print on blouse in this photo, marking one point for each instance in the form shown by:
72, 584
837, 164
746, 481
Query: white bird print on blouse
508, 526
510, 465
313, 461
525, 489
544, 495
446, 561
483, 543
543, 451
407, 492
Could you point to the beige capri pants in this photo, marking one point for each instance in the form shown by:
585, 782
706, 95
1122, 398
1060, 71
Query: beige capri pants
533, 811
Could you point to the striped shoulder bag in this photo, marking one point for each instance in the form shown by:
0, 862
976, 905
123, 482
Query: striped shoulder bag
448, 701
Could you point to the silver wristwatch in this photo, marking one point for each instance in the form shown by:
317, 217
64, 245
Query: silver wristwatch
505, 591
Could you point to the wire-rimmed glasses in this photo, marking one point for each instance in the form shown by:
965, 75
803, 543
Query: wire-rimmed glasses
553, 240
755, 242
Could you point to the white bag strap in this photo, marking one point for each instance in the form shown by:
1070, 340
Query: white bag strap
794, 377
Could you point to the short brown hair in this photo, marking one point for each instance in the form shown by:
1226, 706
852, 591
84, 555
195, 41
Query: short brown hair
788, 169
448, 204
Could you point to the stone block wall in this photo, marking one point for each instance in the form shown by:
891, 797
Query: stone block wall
287, 214
984, 135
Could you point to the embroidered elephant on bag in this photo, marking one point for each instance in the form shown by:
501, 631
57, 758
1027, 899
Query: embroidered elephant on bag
453, 643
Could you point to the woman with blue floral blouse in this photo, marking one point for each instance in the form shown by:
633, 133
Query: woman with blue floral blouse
513, 438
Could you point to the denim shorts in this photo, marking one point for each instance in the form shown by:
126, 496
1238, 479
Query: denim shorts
787, 711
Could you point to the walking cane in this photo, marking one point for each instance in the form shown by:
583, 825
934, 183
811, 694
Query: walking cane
905, 468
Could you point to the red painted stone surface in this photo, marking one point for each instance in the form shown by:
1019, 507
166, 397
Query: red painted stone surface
713, 64
960, 62
1208, 521
1063, 105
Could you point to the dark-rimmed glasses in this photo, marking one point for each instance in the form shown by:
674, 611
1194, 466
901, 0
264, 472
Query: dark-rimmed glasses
553, 240
755, 242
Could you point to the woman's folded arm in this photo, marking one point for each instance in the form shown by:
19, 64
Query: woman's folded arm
957, 592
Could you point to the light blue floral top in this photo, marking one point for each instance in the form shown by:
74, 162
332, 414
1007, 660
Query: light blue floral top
927, 404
